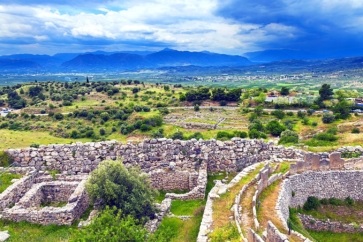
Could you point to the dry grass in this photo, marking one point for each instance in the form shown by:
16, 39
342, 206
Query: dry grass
246, 203
266, 212
222, 206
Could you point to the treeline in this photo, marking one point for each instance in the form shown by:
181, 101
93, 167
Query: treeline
215, 94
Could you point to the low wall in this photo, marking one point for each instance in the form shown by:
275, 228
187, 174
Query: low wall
312, 223
172, 180
29, 209
198, 191
17, 190
273, 234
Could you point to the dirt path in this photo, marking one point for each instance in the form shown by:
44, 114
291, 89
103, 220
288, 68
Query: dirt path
246, 203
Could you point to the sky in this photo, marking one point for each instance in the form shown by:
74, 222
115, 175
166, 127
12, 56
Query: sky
330, 27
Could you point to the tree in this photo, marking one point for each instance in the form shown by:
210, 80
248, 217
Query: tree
284, 91
328, 118
35, 91
325, 92
112, 225
289, 136
275, 127
111, 184
342, 109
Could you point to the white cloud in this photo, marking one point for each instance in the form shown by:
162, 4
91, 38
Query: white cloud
182, 24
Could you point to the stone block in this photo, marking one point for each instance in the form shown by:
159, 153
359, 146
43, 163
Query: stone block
336, 162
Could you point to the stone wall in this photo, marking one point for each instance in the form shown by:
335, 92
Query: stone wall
338, 184
153, 154
29, 206
172, 180
312, 223
273, 234
16, 190
198, 190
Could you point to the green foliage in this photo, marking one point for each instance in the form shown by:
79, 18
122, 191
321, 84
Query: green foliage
111, 184
178, 135
179, 207
342, 109
196, 108
326, 137
284, 91
289, 137
355, 130
112, 225
5, 159
275, 127
328, 118
5, 180
325, 92
278, 114
312, 203
227, 233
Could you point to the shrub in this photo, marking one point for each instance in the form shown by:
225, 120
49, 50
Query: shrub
5, 159
196, 107
278, 114
326, 137
336, 202
328, 118
275, 127
102, 131
34, 145
58, 116
177, 135
112, 225
289, 136
349, 201
145, 127
324, 201
111, 184
355, 130
312, 203
196, 135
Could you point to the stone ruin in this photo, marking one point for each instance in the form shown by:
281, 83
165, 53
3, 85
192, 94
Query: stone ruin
170, 164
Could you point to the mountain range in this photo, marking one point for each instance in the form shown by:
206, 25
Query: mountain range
269, 61
99, 60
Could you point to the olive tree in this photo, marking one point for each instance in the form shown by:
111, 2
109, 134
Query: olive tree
111, 184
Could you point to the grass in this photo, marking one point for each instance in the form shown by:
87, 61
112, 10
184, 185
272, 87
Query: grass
334, 237
27, 232
58, 204
344, 214
222, 206
283, 168
5, 180
174, 229
18, 139
179, 207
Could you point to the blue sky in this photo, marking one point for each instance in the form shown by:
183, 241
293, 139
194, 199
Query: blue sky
328, 27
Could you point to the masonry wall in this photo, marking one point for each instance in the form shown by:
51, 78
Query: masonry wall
153, 154
338, 184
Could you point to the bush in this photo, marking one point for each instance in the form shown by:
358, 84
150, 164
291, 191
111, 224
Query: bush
178, 135
289, 136
312, 203
278, 114
326, 137
196, 108
145, 127
58, 116
328, 118
275, 127
5, 159
112, 225
34, 145
324, 201
111, 184
349, 201
335, 201
355, 130
196, 135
